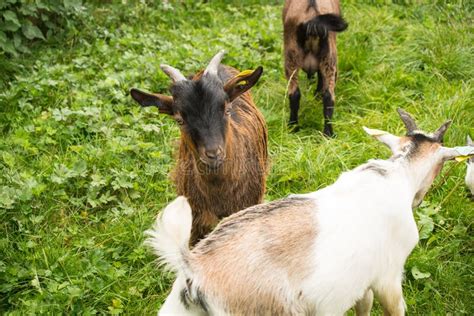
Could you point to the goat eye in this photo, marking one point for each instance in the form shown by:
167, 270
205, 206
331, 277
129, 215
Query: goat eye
179, 121
228, 111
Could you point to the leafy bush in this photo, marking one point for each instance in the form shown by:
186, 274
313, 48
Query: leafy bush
22, 21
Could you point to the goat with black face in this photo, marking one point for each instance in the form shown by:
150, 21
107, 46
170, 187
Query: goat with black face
222, 159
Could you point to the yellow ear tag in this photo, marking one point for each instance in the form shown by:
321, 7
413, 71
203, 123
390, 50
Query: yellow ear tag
461, 158
465, 152
244, 73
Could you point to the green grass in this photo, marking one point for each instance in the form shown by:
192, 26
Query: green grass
84, 170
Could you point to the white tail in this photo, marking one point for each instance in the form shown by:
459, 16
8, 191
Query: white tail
169, 236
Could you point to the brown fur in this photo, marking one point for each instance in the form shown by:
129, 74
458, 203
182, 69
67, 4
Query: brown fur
311, 58
280, 233
240, 182
420, 149
391, 300
296, 12
364, 305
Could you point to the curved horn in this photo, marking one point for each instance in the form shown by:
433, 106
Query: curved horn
407, 120
173, 73
214, 63
439, 134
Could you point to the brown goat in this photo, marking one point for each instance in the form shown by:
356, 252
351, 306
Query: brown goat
309, 28
222, 161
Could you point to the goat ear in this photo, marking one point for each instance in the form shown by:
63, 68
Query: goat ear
392, 141
164, 103
459, 153
439, 134
242, 82
408, 120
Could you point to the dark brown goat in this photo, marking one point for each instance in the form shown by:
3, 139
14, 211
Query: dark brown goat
222, 160
309, 28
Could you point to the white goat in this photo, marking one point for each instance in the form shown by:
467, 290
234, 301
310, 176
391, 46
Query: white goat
470, 170
318, 253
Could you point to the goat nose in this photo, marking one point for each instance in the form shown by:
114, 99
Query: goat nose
213, 153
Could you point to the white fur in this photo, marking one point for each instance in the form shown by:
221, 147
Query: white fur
169, 236
169, 239
364, 239
470, 176
470, 169
173, 306
388, 139
365, 232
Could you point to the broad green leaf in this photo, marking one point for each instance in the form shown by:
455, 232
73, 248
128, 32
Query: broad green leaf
41, 5
32, 31
7, 197
425, 226
61, 174
5, 44
11, 16
428, 209
79, 169
72, 4
74, 291
17, 40
28, 9
417, 274
9, 26
8, 158
97, 180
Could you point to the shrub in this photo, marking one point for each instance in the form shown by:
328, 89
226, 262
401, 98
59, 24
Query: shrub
23, 21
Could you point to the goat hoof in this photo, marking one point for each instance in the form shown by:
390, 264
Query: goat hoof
293, 126
329, 133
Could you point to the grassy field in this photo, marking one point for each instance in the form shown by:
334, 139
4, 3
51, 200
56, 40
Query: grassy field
84, 170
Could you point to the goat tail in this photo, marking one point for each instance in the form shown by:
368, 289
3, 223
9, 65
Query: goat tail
169, 236
322, 24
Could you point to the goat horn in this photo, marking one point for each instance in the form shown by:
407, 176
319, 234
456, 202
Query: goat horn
214, 63
438, 135
407, 120
173, 73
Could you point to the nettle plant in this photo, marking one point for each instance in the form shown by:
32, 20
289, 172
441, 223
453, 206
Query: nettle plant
22, 21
